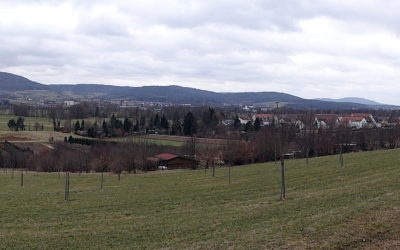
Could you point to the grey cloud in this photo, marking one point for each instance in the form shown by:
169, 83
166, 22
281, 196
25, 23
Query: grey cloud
309, 48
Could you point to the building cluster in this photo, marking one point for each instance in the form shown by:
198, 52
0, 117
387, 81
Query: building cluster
324, 121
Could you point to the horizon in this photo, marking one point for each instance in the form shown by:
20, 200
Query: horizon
327, 49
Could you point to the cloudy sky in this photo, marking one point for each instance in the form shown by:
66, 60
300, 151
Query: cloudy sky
327, 48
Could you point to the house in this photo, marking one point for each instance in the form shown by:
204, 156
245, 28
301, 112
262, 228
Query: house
244, 120
172, 161
326, 120
291, 119
266, 119
354, 122
371, 123
69, 103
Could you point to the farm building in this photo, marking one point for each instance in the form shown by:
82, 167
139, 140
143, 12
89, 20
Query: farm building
172, 161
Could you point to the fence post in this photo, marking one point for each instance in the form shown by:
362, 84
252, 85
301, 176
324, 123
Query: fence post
283, 186
229, 173
101, 180
213, 168
66, 189
22, 177
341, 157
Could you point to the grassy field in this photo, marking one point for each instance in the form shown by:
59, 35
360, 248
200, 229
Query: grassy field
47, 123
357, 206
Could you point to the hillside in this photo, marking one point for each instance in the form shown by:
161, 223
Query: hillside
168, 94
327, 207
354, 100
11, 82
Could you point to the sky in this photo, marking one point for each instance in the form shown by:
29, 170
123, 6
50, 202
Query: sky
312, 49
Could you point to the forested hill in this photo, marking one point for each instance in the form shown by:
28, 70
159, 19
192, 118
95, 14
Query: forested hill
11, 82
171, 94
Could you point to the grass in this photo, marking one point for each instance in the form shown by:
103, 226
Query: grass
29, 121
326, 207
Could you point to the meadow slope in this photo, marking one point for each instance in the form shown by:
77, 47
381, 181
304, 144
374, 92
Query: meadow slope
357, 206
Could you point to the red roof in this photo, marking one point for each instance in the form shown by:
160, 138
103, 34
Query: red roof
353, 119
326, 116
363, 115
264, 116
166, 156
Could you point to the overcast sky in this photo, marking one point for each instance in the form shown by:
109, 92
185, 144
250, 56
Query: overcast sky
307, 48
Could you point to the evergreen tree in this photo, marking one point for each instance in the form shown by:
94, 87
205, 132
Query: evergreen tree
210, 118
248, 127
20, 124
257, 124
156, 121
97, 112
189, 124
12, 125
77, 126
113, 121
83, 125
127, 125
136, 127
236, 123
142, 123
106, 131
164, 123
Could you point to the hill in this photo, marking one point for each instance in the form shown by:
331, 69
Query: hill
168, 94
11, 82
184, 95
354, 100
327, 207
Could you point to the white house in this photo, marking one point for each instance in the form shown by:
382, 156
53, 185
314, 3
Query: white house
244, 120
354, 122
266, 119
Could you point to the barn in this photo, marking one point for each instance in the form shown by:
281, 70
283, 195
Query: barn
172, 161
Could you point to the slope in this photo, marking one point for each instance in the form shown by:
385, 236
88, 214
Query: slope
327, 207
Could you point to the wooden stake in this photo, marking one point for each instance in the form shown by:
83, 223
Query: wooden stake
22, 177
101, 180
283, 186
66, 189
229, 173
